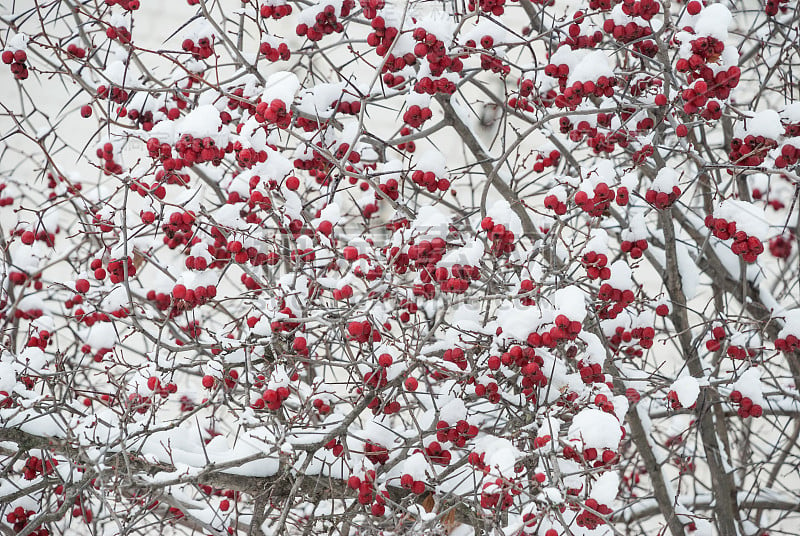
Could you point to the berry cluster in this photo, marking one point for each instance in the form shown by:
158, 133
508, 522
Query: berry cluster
575, 39
178, 230
276, 112
457, 434
193, 296
203, 49
456, 356
494, 64
273, 398
527, 363
348, 104
429, 180
499, 493
746, 406
603, 196
363, 332
127, 5
617, 300
321, 406
182, 299
588, 518
106, 153
773, 6
116, 269
673, 400
200, 150
494, 7
522, 104
381, 38
19, 518
660, 199
433, 49
40, 340
526, 288
751, 150
595, 264
787, 344
573, 95
646, 9
718, 335
16, 59
456, 280
28, 237
789, 156
502, 239
558, 71
275, 10
604, 404
552, 202
275, 53
578, 131
241, 254
325, 22
367, 494
425, 255
747, 247
391, 188
119, 33
34, 467
196, 262
370, 8
590, 455
248, 157
626, 33
155, 385
408, 482
416, 115
644, 336
633, 247
740, 352
542, 162
781, 246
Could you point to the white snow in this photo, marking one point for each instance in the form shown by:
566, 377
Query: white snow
596, 428
687, 388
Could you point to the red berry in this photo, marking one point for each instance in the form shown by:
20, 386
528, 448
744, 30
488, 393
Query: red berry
179, 292
350, 253
28, 237
293, 183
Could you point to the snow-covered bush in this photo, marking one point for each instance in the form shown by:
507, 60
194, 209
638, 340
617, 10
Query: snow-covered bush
337, 267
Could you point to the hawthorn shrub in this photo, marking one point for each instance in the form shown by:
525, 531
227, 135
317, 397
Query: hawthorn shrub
333, 267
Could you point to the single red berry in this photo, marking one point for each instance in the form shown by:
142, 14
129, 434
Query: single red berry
28, 237
82, 286
179, 292
293, 183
